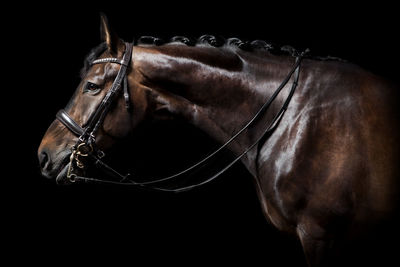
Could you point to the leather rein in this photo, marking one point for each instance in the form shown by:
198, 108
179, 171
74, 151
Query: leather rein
85, 148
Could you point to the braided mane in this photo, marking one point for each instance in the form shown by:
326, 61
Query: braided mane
219, 42
256, 45
211, 40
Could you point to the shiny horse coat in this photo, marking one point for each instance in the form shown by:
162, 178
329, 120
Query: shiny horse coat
327, 174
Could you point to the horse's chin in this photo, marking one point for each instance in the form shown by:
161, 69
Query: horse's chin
62, 178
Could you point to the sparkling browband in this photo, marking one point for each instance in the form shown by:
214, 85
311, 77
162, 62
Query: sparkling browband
108, 59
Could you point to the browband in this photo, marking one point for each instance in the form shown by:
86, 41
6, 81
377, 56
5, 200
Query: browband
108, 59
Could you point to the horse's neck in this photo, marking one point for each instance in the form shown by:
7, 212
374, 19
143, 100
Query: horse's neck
217, 90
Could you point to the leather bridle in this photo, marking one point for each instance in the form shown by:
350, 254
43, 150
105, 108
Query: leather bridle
86, 147
86, 144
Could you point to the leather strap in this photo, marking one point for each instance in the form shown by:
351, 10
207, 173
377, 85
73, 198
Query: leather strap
65, 119
98, 116
126, 94
124, 179
263, 108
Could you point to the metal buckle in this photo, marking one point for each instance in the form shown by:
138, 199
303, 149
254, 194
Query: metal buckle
82, 150
100, 154
71, 176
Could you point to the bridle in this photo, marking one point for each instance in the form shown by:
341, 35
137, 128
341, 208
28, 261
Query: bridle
86, 144
85, 147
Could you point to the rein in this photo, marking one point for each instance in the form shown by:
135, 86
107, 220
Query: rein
86, 148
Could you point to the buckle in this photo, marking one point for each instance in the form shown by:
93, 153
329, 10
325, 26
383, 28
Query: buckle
84, 149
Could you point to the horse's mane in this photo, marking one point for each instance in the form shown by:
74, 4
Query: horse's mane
256, 45
217, 41
211, 40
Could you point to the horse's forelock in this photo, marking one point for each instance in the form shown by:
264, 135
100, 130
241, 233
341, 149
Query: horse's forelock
91, 56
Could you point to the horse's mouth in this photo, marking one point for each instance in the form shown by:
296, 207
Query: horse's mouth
58, 169
62, 178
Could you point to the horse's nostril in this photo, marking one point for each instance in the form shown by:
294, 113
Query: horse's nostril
43, 159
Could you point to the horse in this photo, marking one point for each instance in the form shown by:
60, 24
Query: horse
323, 154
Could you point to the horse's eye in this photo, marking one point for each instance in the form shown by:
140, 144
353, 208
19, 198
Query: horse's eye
91, 87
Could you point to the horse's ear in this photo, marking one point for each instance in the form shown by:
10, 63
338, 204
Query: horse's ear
107, 35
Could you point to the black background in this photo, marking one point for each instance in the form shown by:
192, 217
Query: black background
221, 222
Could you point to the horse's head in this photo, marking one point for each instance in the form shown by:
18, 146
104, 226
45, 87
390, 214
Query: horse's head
165, 82
86, 107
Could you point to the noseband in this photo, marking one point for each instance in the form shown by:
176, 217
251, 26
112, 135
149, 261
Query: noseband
86, 144
86, 147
